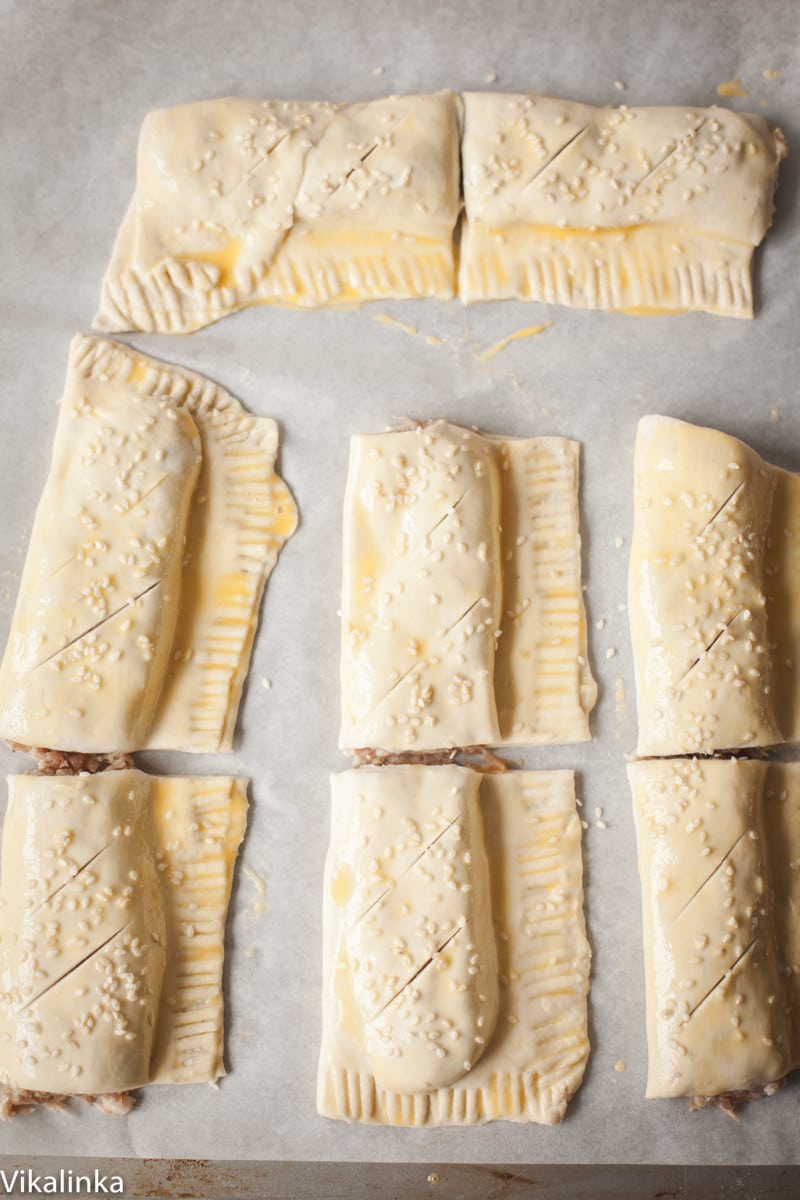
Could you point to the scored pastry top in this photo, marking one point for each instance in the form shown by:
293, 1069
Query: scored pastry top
114, 891
537, 160
160, 521
641, 210
712, 590
455, 959
719, 1013
244, 201
455, 544
417, 965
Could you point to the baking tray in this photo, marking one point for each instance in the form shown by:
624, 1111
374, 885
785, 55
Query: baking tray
76, 78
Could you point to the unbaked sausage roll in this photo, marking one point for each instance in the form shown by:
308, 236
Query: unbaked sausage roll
455, 961
718, 846
462, 611
114, 891
159, 523
637, 209
714, 593
243, 202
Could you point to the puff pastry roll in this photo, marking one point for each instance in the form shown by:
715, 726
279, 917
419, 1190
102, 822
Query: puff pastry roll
462, 610
114, 891
703, 506
243, 202
637, 209
717, 946
455, 963
160, 521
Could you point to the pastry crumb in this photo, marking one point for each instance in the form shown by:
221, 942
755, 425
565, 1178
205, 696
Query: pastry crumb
601, 623
527, 332
619, 85
775, 415
377, 71
620, 1065
771, 73
491, 77
259, 905
732, 87
611, 652
619, 542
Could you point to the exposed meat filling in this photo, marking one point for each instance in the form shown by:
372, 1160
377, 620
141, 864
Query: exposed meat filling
731, 1102
65, 762
15, 1102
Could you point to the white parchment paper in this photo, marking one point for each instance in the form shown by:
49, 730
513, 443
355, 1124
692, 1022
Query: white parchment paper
76, 78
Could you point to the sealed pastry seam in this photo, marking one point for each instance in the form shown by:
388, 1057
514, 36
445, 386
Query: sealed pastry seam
159, 524
718, 844
500, 1033
714, 593
462, 610
115, 890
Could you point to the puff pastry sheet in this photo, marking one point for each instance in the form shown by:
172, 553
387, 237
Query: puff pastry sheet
462, 610
114, 890
637, 209
407, 856
714, 593
243, 202
160, 521
719, 859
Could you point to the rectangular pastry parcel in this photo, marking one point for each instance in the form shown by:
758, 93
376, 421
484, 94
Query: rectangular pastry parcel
160, 521
114, 892
636, 209
714, 593
455, 959
463, 620
719, 859
243, 201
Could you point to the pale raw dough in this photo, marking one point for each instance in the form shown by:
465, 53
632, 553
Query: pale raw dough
243, 201
114, 892
545, 690
707, 544
716, 836
414, 970
100, 591
456, 544
143, 580
638, 209
534, 1060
